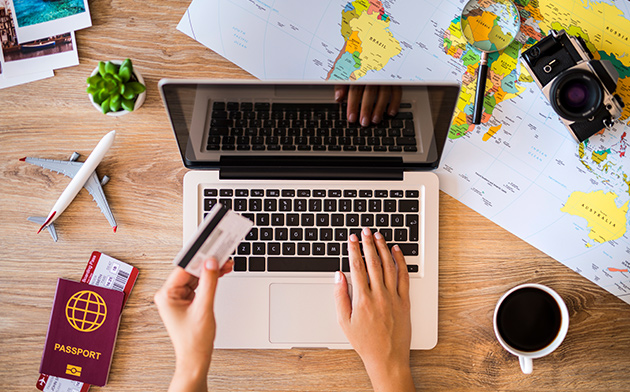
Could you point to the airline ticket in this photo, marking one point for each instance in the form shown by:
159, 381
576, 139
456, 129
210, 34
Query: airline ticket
102, 271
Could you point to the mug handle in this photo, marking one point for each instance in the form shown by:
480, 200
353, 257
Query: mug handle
526, 364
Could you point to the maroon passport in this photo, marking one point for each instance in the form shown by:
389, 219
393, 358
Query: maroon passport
82, 332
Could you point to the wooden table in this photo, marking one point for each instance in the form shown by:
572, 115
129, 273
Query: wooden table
479, 261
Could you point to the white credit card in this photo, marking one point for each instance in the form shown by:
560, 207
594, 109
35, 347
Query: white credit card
217, 236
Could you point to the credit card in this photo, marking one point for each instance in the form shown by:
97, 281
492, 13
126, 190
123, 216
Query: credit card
217, 236
102, 271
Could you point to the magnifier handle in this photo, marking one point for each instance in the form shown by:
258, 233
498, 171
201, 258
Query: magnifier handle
481, 89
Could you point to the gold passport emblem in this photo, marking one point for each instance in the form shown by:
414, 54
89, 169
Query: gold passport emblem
73, 370
86, 311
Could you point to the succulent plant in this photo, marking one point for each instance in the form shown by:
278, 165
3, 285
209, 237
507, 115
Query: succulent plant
115, 86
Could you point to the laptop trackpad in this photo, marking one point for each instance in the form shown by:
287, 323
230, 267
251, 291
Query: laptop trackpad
303, 314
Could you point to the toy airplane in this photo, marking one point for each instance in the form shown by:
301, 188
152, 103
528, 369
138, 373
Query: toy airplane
83, 174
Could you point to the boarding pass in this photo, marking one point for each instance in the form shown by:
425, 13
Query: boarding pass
217, 236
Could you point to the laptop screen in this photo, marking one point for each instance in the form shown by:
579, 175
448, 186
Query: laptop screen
218, 124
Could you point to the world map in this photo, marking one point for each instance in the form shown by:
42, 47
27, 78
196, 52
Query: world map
519, 167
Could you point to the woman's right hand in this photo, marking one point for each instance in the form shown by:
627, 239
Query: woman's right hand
377, 321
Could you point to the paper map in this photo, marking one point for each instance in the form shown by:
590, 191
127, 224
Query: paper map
520, 167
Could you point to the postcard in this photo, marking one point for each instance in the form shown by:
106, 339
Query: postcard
37, 19
44, 54
6, 81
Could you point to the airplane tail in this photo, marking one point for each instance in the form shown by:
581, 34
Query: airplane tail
40, 220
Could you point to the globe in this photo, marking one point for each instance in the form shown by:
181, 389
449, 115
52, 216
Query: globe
86, 311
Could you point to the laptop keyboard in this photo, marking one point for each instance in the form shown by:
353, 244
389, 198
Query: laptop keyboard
306, 230
264, 126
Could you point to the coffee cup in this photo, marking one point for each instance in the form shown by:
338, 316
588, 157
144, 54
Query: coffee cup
530, 321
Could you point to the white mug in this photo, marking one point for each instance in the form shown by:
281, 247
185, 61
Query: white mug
525, 357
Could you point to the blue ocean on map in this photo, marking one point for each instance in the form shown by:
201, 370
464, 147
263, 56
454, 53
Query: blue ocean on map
30, 12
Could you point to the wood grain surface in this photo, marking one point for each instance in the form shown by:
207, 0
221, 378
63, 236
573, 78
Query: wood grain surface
479, 261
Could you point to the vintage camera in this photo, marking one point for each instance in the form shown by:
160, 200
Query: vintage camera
581, 90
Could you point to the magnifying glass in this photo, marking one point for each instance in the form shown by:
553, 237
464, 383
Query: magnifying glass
489, 26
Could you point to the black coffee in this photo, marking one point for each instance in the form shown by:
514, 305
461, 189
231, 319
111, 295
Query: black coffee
528, 319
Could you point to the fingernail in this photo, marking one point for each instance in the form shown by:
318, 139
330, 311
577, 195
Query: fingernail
376, 119
396, 248
353, 238
378, 236
337, 95
392, 112
337, 276
366, 231
352, 117
365, 121
212, 265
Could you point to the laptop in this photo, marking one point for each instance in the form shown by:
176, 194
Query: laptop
283, 155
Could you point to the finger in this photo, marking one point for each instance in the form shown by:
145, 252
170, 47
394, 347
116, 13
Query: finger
373, 262
180, 277
394, 103
357, 267
207, 284
354, 99
227, 268
390, 276
369, 96
340, 92
342, 299
384, 94
403, 274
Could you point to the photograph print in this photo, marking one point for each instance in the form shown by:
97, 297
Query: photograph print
38, 19
44, 54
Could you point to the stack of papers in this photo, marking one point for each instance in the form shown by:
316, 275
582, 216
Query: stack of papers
37, 37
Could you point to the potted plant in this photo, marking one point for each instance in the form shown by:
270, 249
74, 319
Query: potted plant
115, 88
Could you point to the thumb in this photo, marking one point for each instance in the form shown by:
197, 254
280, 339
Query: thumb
207, 284
342, 299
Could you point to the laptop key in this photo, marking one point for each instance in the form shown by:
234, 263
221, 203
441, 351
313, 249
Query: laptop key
244, 248
258, 193
252, 235
210, 192
390, 205
282, 234
325, 234
303, 249
262, 219
296, 234
310, 234
388, 234
382, 220
408, 249
411, 268
345, 264
293, 220
240, 264
258, 248
208, 204
397, 220
330, 205
334, 249
285, 205
266, 234
319, 249
400, 235
273, 248
336, 220
257, 264
277, 219
367, 220
300, 264
341, 234
322, 219
255, 204
288, 248
308, 220
408, 206
352, 220
411, 221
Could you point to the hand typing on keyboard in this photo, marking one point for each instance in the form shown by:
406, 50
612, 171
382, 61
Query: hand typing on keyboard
373, 101
189, 321
377, 320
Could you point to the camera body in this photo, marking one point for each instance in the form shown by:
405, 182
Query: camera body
580, 89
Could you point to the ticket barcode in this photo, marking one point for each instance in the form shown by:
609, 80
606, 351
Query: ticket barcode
121, 280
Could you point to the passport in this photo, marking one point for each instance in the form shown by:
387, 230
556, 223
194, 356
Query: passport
82, 332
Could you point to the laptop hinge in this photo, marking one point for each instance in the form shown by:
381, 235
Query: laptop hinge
302, 173
324, 169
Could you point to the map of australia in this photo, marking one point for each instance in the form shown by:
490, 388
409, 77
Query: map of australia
368, 46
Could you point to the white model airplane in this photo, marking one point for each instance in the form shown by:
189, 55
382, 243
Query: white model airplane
83, 174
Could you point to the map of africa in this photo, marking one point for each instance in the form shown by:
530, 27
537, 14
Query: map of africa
520, 167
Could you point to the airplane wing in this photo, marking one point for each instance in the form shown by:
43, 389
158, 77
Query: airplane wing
93, 185
67, 168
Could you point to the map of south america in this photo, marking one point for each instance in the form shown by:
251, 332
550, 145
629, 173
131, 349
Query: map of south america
368, 46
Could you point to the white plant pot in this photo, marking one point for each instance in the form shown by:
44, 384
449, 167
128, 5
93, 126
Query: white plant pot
139, 100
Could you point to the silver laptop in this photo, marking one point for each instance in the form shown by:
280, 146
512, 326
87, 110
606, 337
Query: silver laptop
283, 155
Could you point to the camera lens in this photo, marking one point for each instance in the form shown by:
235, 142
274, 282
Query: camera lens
576, 95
